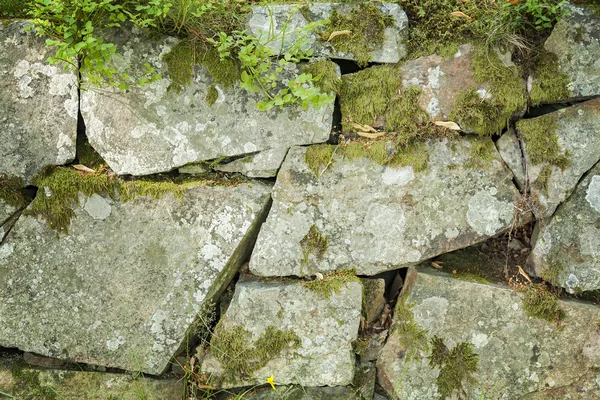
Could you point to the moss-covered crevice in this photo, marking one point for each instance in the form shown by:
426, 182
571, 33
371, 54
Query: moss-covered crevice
325, 76
27, 381
456, 367
481, 153
505, 95
11, 191
539, 302
366, 25
332, 283
59, 189
550, 82
412, 338
313, 243
240, 356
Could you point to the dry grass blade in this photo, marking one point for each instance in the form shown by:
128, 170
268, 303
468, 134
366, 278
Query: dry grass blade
448, 124
338, 33
80, 167
460, 14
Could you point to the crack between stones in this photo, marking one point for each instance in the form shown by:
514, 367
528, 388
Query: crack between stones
10, 222
544, 109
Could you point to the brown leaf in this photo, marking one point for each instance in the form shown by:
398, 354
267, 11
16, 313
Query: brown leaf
436, 264
338, 33
460, 14
80, 167
363, 128
448, 124
524, 274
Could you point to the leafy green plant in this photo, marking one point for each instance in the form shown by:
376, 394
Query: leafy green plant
542, 14
262, 73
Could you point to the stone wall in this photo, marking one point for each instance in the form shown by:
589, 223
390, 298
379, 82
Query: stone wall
439, 239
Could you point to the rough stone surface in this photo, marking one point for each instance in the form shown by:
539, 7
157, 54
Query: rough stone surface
24, 382
124, 286
262, 165
379, 218
443, 79
288, 22
510, 150
38, 105
6, 211
306, 393
150, 129
374, 301
577, 130
576, 41
326, 328
519, 356
568, 246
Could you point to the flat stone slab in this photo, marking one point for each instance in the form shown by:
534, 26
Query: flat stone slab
519, 356
279, 23
575, 41
24, 382
576, 138
567, 250
122, 288
325, 327
149, 129
38, 104
264, 164
376, 218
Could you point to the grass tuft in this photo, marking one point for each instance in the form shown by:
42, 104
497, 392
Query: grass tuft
331, 283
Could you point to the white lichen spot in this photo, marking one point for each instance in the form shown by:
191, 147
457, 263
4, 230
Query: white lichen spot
115, 343
593, 193
21, 69
433, 107
451, 233
487, 215
398, 176
6, 250
434, 77
140, 130
250, 147
66, 149
479, 340
97, 207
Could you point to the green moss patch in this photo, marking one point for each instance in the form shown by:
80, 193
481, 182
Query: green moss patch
11, 191
325, 75
331, 283
212, 94
539, 302
541, 142
412, 338
456, 367
240, 357
27, 381
318, 157
550, 84
505, 84
313, 243
59, 190
366, 25
482, 153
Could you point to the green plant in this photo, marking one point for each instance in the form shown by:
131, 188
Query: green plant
74, 28
13, 8
540, 302
315, 243
261, 74
331, 283
542, 14
456, 367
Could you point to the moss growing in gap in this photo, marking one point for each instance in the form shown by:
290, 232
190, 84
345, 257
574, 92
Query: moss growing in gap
490, 116
550, 83
313, 243
542, 142
212, 94
331, 283
240, 357
412, 338
28, 382
482, 153
11, 191
318, 156
367, 25
456, 367
324, 75
539, 302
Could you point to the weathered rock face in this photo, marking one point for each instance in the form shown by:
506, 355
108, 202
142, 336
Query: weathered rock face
324, 328
149, 129
559, 148
518, 355
287, 23
123, 287
567, 250
575, 41
360, 214
24, 382
306, 393
510, 150
262, 165
6, 211
38, 105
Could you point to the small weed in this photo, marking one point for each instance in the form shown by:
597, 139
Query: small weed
324, 75
456, 366
540, 302
313, 243
331, 283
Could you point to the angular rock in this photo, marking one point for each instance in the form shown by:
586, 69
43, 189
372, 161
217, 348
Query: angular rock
518, 356
290, 21
369, 217
567, 250
510, 150
374, 301
6, 211
575, 41
24, 382
443, 86
262, 165
38, 104
122, 288
559, 148
325, 329
152, 129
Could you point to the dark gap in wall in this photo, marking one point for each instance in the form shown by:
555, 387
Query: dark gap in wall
348, 66
544, 109
336, 126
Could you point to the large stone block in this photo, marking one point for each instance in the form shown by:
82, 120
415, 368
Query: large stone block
38, 104
123, 287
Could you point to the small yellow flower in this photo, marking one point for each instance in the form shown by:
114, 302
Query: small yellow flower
271, 381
